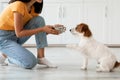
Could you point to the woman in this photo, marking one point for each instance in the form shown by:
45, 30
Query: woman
18, 22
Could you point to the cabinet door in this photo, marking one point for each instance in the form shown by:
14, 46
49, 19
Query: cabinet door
113, 27
94, 14
52, 13
71, 16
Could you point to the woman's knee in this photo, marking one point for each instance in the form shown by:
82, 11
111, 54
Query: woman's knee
39, 21
27, 63
30, 64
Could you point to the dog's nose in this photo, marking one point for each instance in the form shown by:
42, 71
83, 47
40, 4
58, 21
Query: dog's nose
70, 29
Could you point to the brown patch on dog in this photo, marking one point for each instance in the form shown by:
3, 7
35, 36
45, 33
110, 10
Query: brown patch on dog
117, 64
83, 28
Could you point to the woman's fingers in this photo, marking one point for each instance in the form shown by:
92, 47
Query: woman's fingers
53, 31
50, 30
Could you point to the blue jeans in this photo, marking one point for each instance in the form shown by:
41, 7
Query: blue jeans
11, 45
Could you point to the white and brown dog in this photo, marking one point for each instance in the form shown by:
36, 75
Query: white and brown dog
91, 48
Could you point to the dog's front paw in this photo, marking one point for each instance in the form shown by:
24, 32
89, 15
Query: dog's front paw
83, 68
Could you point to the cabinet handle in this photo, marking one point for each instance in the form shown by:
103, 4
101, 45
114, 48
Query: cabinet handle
106, 11
63, 12
60, 11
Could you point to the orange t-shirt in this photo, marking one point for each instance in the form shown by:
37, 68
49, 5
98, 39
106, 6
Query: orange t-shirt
7, 18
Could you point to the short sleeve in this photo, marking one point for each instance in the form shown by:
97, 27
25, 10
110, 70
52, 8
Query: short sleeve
19, 7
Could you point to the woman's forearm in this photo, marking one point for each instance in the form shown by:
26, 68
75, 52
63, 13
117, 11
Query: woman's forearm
26, 32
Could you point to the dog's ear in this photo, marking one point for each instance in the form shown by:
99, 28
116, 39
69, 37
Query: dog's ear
84, 28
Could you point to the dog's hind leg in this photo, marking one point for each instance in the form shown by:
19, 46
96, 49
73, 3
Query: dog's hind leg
103, 67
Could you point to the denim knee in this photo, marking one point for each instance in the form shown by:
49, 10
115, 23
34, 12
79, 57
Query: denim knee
39, 21
30, 64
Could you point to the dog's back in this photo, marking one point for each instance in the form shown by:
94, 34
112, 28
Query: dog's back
94, 48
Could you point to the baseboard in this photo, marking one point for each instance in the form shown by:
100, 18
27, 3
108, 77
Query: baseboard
113, 45
50, 45
63, 45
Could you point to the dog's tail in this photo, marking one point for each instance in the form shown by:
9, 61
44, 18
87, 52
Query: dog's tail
117, 64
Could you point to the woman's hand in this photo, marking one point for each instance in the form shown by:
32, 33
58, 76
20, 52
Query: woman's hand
50, 30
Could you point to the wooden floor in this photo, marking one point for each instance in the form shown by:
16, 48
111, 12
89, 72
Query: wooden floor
68, 62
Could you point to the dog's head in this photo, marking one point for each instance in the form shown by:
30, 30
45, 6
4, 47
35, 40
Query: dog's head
81, 30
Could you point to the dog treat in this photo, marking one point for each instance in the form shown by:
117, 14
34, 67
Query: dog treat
60, 28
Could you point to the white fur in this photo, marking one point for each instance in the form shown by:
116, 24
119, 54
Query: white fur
90, 48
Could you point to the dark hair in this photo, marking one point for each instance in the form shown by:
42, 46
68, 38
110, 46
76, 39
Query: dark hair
38, 6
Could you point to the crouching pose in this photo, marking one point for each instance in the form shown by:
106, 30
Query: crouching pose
18, 22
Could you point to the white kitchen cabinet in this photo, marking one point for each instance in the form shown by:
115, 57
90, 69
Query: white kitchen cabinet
70, 14
113, 25
51, 13
95, 16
